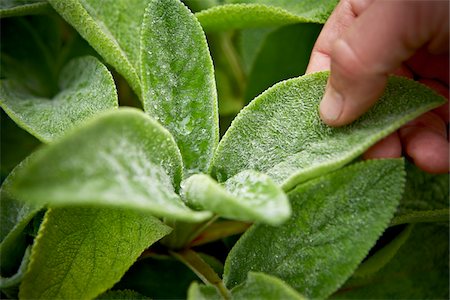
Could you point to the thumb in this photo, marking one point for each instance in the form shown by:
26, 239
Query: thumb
386, 34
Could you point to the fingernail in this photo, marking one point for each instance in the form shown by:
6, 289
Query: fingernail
331, 105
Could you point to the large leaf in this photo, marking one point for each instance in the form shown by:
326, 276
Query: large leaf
284, 53
14, 8
178, 84
112, 28
44, 93
86, 88
247, 196
336, 219
281, 134
420, 270
81, 252
122, 158
264, 13
15, 215
425, 198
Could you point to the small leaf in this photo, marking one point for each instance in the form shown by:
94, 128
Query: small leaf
336, 219
419, 270
10, 285
264, 13
15, 215
116, 41
281, 134
86, 88
247, 196
178, 81
81, 252
124, 295
14, 8
122, 158
202, 292
263, 286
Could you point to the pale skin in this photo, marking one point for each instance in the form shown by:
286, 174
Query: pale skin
366, 40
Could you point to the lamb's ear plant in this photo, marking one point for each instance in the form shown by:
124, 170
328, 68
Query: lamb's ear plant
104, 201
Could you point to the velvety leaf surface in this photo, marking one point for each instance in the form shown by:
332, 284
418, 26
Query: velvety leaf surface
14, 8
124, 295
281, 134
419, 270
247, 196
81, 252
425, 198
14, 218
264, 13
336, 219
86, 88
178, 81
112, 28
122, 158
15, 145
158, 277
284, 53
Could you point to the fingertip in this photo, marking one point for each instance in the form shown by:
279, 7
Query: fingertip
389, 147
331, 106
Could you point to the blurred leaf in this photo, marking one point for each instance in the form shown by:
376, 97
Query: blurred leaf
82, 252
419, 270
178, 86
247, 196
281, 134
336, 219
122, 158
14, 8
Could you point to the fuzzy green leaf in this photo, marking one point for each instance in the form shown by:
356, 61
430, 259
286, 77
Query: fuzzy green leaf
112, 28
247, 196
419, 270
336, 219
81, 252
264, 13
14, 8
15, 215
86, 88
425, 198
178, 81
281, 134
122, 158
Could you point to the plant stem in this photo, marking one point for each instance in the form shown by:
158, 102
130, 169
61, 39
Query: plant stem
204, 271
219, 230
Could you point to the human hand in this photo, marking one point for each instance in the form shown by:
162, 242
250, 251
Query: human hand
365, 40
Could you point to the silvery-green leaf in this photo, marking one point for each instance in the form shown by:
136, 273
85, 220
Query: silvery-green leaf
178, 86
281, 134
14, 8
247, 196
86, 88
112, 28
81, 252
122, 158
264, 13
336, 220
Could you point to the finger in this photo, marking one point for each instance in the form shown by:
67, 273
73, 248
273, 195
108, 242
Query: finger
342, 17
366, 54
441, 111
389, 147
428, 149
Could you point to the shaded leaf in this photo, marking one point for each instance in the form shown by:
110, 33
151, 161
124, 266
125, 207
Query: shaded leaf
336, 219
122, 158
100, 23
86, 88
124, 294
10, 285
247, 196
14, 8
81, 252
178, 86
281, 134
264, 13
419, 270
